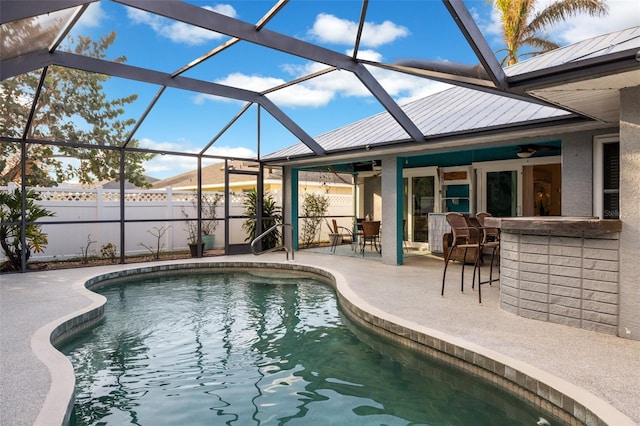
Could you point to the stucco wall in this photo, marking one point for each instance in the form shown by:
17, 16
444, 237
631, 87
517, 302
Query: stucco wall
577, 175
571, 280
630, 213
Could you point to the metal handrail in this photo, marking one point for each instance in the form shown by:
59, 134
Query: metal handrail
284, 247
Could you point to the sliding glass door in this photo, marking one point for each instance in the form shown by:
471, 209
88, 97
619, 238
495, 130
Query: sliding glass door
529, 187
502, 193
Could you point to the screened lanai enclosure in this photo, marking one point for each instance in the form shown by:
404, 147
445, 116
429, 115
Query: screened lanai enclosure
89, 121
144, 126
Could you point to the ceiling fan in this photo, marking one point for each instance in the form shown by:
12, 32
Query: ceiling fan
368, 166
526, 151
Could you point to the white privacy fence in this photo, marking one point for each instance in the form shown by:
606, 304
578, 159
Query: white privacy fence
156, 210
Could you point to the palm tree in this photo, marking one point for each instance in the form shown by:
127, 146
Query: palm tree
521, 27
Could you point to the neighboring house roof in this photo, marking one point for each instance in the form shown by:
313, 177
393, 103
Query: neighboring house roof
214, 175
460, 111
128, 185
211, 175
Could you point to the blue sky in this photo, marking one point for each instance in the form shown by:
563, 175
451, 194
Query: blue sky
395, 30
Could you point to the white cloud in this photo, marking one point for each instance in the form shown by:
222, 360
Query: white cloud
369, 55
179, 32
623, 14
320, 91
331, 29
162, 166
402, 87
92, 17
299, 95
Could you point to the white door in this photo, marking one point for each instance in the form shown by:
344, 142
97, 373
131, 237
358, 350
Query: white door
499, 188
421, 198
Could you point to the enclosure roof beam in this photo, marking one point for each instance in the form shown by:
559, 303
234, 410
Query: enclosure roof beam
476, 40
14, 10
213, 21
203, 18
100, 66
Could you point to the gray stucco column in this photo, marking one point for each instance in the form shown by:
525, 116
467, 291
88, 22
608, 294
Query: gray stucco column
629, 322
391, 211
577, 176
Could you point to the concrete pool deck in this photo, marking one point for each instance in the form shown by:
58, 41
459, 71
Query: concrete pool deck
602, 369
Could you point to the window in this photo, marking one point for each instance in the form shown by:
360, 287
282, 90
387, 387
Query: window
606, 177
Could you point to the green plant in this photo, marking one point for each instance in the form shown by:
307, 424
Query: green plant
11, 228
314, 209
210, 203
158, 233
86, 250
192, 229
270, 216
109, 251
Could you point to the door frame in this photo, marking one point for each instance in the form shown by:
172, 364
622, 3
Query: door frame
482, 168
420, 172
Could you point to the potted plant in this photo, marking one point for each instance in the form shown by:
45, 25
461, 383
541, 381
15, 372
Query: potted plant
210, 203
192, 237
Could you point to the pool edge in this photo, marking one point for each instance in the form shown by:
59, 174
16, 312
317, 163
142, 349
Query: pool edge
551, 393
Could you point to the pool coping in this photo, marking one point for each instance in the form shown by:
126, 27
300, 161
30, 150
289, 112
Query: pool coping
551, 393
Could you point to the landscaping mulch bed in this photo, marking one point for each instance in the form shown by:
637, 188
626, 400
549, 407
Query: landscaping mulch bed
100, 261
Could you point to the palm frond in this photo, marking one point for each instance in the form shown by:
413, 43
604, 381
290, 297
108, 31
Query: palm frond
541, 44
563, 9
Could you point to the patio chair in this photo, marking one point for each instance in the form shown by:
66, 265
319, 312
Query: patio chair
336, 235
358, 231
464, 237
490, 239
370, 233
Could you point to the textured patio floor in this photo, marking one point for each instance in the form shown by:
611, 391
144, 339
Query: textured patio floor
604, 366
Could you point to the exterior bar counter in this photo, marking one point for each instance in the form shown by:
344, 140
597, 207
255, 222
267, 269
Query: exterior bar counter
561, 269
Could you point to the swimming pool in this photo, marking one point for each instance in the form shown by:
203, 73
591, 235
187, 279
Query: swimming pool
237, 348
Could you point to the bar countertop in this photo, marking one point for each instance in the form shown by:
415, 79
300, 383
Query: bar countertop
555, 225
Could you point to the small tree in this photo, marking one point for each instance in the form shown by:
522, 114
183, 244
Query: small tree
10, 227
210, 203
314, 209
73, 107
86, 251
270, 216
157, 233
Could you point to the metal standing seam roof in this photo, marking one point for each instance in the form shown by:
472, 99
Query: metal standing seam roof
605, 44
451, 111
460, 109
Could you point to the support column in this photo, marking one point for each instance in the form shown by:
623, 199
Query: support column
392, 210
629, 320
577, 176
290, 204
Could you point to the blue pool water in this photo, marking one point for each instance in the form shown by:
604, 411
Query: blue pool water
245, 349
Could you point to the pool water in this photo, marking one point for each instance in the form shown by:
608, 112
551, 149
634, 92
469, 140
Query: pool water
245, 349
